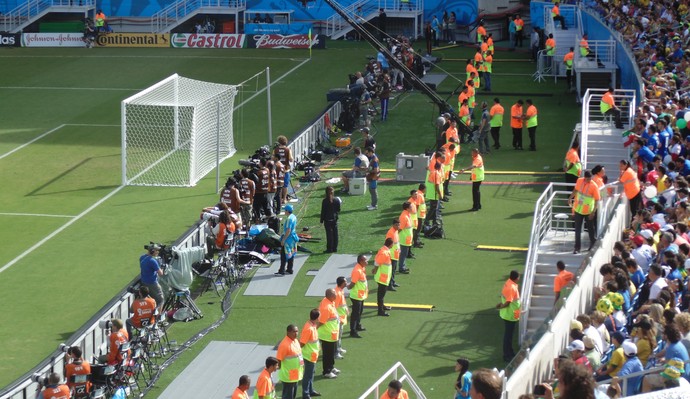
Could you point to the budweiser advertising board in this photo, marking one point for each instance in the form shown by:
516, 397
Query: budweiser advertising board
286, 41
206, 40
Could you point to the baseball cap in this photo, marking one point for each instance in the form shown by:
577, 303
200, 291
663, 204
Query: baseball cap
646, 233
288, 208
589, 342
629, 348
575, 325
364, 130
638, 240
576, 345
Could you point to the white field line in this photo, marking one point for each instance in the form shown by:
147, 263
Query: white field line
36, 214
208, 57
59, 230
66, 88
102, 200
31, 141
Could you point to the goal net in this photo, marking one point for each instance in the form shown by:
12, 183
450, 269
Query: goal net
175, 131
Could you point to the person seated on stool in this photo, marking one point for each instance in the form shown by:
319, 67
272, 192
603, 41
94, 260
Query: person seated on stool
116, 339
144, 310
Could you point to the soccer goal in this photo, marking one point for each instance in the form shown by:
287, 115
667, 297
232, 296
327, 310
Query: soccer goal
176, 131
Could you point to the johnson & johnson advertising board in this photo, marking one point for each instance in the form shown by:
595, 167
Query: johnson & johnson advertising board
53, 40
134, 40
286, 41
206, 40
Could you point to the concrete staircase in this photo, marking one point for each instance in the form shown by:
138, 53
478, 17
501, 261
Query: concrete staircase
31, 11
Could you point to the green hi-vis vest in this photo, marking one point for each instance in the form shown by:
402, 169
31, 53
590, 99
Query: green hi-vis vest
584, 203
496, 120
329, 330
510, 312
291, 369
478, 173
383, 274
310, 351
604, 107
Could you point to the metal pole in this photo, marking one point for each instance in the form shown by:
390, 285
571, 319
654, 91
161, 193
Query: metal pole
268, 96
217, 146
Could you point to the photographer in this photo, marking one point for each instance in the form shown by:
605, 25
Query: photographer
285, 155
150, 270
280, 183
224, 231
231, 197
143, 309
53, 388
76, 366
261, 208
118, 336
247, 190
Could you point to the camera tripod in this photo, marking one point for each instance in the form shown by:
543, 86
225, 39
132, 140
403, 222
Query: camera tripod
182, 299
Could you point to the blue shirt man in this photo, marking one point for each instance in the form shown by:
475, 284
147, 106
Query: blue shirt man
645, 154
149, 268
632, 365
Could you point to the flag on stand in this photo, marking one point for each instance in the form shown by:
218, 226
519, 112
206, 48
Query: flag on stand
309, 42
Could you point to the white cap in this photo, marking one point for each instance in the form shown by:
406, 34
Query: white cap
576, 345
629, 348
647, 234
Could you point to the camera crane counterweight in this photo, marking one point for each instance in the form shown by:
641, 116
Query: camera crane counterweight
417, 83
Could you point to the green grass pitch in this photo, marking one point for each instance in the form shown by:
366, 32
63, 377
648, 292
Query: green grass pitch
75, 93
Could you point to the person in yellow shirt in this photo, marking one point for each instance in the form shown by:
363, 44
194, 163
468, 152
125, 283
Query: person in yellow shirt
241, 390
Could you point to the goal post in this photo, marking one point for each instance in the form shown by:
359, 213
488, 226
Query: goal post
176, 131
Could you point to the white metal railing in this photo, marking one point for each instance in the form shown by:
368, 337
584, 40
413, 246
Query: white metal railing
554, 200
317, 132
397, 372
625, 99
90, 338
534, 365
336, 25
623, 42
602, 51
180, 10
676, 393
30, 9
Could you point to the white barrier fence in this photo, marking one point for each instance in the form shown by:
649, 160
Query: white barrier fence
538, 361
90, 337
397, 372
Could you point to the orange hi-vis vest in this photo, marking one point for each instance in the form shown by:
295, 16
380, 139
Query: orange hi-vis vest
631, 184
384, 269
341, 305
516, 116
329, 328
586, 196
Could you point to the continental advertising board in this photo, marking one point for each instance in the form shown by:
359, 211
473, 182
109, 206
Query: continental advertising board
134, 40
286, 41
206, 40
53, 40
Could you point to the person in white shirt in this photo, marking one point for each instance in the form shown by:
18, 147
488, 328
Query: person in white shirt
658, 282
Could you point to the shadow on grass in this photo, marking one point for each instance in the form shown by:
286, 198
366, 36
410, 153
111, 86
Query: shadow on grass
457, 333
176, 198
67, 172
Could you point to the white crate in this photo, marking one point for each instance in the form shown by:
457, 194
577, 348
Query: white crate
358, 186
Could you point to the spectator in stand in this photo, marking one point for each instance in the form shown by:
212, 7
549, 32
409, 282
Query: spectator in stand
616, 361
574, 382
632, 365
577, 353
593, 355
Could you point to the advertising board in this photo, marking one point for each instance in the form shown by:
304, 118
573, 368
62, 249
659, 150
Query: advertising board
53, 40
286, 41
10, 39
206, 40
134, 40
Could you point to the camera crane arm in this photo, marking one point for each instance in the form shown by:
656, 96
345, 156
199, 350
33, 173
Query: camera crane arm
442, 104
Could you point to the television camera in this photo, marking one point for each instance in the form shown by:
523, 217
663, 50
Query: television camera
165, 253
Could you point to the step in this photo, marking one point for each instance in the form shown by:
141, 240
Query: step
541, 301
542, 289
